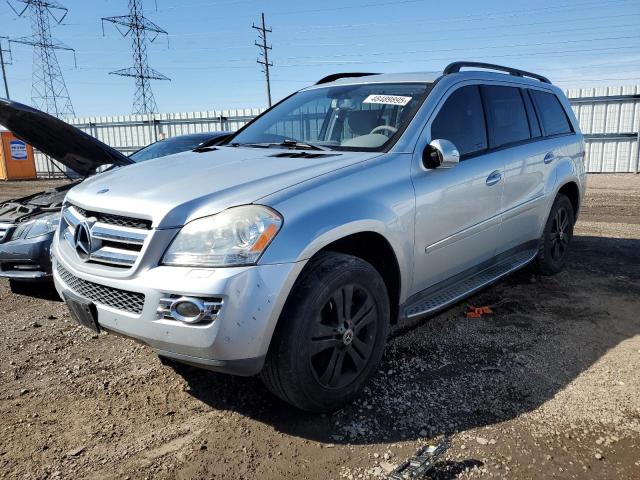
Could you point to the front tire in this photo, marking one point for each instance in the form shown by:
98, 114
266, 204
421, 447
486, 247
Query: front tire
331, 334
556, 238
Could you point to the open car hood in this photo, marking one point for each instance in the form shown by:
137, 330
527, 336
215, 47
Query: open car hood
68, 145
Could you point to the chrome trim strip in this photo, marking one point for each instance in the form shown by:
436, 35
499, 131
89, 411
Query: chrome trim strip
117, 234
72, 217
466, 233
521, 208
68, 236
114, 256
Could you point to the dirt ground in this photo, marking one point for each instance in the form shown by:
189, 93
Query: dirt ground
548, 387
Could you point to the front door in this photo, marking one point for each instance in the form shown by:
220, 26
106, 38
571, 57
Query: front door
458, 208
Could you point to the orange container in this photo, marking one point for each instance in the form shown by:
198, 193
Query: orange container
16, 158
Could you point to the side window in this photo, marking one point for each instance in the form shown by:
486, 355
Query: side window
461, 121
552, 115
534, 125
506, 115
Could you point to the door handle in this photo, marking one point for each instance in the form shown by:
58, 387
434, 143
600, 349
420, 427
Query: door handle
549, 157
494, 178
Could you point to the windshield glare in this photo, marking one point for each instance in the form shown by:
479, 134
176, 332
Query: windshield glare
351, 117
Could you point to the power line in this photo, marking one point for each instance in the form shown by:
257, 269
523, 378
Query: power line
465, 49
4, 62
453, 34
141, 30
484, 16
49, 91
510, 55
263, 59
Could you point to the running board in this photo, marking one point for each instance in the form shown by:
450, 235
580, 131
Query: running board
434, 300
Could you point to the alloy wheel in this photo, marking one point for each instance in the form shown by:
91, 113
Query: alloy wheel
343, 336
560, 234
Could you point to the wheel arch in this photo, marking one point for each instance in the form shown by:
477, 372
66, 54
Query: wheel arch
375, 249
571, 190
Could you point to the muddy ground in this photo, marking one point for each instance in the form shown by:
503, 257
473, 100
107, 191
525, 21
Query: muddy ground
548, 387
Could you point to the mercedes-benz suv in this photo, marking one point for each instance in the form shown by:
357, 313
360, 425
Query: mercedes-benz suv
351, 205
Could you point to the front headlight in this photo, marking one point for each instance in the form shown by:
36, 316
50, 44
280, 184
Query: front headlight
41, 226
234, 237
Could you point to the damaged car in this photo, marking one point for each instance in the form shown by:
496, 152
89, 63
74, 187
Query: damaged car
355, 204
27, 224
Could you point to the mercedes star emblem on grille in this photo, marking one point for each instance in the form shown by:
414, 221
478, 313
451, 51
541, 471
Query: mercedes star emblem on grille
82, 241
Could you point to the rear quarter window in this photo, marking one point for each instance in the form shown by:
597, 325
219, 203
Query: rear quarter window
552, 115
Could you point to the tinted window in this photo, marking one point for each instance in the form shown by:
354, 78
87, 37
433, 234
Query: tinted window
461, 121
534, 125
552, 115
506, 116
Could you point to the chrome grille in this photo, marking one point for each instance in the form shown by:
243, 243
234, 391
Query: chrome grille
111, 244
4, 231
131, 302
117, 220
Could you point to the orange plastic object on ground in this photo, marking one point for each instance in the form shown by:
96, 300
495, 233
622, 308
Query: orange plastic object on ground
16, 159
477, 312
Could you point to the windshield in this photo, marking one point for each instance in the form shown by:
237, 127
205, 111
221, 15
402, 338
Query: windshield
350, 117
167, 147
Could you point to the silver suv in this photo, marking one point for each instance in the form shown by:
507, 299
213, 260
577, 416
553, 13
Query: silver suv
351, 205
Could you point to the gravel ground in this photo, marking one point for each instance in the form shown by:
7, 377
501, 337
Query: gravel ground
547, 387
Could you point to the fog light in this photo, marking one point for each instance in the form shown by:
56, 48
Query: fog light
189, 310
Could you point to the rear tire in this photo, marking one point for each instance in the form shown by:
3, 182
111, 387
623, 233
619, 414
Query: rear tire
556, 238
331, 334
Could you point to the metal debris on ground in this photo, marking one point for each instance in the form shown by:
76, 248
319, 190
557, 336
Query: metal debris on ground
420, 464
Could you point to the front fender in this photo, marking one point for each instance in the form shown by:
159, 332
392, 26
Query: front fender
377, 198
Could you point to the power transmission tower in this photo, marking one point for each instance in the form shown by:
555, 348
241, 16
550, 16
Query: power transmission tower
141, 30
263, 59
4, 62
48, 89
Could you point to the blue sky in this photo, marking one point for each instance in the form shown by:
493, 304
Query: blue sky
210, 56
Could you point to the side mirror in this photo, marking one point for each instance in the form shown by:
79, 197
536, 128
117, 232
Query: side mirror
440, 153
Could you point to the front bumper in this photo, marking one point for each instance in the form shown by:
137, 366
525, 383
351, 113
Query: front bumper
26, 260
235, 342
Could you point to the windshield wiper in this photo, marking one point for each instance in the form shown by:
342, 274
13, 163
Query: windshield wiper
290, 144
301, 145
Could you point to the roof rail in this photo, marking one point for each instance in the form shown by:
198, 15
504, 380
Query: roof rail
456, 66
336, 76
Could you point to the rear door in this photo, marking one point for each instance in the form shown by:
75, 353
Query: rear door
457, 209
529, 175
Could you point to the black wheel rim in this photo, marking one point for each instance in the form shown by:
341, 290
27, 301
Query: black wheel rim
560, 234
343, 336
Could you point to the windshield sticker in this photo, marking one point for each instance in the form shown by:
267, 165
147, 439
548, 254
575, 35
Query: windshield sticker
388, 100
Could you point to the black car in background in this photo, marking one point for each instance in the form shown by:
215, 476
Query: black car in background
27, 224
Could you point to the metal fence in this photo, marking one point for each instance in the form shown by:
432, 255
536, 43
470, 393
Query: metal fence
610, 121
132, 132
609, 118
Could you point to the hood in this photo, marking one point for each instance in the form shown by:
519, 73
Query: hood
173, 190
68, 145
22, 209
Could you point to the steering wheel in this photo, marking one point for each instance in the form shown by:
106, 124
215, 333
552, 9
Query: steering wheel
383, 127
